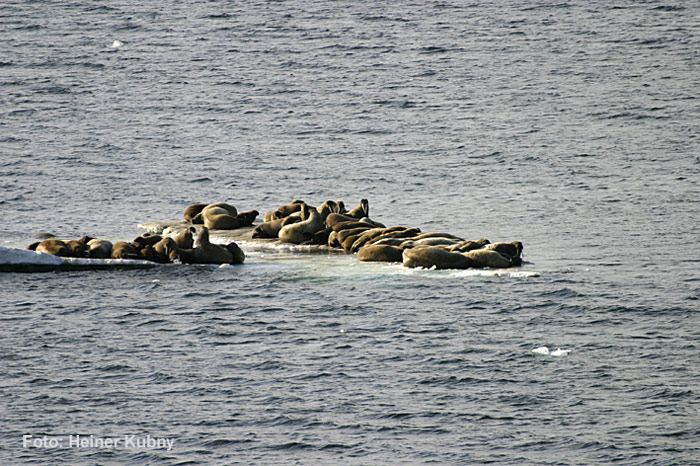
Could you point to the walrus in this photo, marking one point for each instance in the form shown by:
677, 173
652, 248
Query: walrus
328, 207
99, 248
178, 248
246, 219
146, 239
380, 253
402, 242
185, 239
335, 239
335, 218
54, 246
63, 248
124, 250
284, 211
220, 216
79, 247
466, 246
208, 253
149, 253
488, 258
193, 211
373, 222
435, 234
349, 240
321, 236
351, 224
272, 228
362, 210
435, 241
403, 233
371, 234
342, 234
513, 249
432, 256
303, 231
166, 249
237, 254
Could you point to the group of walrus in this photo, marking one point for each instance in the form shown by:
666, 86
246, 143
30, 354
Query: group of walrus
355, 232
329, 224
182, 248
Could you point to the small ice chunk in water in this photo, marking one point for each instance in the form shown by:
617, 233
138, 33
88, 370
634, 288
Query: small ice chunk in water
557, 352
560, 352
116, 44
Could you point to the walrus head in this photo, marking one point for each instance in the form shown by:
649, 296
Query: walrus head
86, 239
202, 238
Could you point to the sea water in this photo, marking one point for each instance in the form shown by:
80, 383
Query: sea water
570, 126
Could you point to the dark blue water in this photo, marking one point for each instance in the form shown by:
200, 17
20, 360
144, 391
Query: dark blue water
572, 127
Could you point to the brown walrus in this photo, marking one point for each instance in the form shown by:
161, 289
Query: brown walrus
466, 246
380, 253
435, 234
124, 250
513, 249
349, 240
362, 210
149, 253
272, 228
371, 234
351, 224
335, 218
192, 211
237, 254
220, 216
435, 257
246, 219
343, 234
434, 241
67, 248
398, 233
321, 236
207, 253
146, 239
185, 239
301, 232
327, 208
489, 258
166, 249
284, 211
53, 246
99, 248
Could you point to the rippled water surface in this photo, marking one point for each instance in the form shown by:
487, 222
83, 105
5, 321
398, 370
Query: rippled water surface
572, 127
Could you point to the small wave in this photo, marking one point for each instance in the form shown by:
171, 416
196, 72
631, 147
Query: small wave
223, 442
668, 8
218, 16
292, 446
